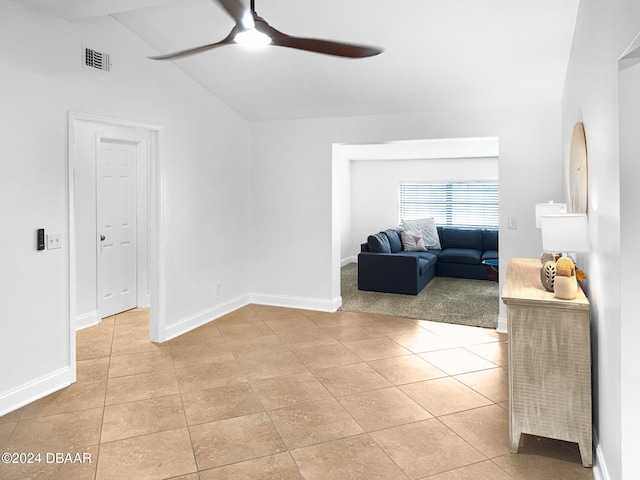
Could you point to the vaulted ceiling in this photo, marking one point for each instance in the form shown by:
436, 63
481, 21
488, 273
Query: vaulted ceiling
444, 54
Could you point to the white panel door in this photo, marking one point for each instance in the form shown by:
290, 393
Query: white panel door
117, 262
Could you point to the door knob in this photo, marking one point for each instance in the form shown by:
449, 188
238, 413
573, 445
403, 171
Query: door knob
102, 238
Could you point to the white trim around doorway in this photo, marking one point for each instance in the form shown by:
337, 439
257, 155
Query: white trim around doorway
151, 208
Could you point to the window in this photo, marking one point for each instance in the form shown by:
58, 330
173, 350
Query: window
460, 204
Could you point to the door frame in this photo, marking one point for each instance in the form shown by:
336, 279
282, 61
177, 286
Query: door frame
151, 173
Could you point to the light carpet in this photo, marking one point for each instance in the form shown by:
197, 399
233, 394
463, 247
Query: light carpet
451, 300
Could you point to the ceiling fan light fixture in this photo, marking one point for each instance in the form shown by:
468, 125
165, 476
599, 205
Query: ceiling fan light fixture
252, 38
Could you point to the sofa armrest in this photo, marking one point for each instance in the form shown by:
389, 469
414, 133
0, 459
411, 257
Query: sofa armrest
388, 272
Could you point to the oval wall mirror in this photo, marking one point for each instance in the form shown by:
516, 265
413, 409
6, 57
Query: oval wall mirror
578, 173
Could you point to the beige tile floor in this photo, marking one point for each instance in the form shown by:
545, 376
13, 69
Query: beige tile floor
270, 393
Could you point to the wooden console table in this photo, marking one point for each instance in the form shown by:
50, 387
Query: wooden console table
549, 360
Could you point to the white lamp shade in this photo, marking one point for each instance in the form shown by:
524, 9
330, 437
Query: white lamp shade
549, 209
565, 233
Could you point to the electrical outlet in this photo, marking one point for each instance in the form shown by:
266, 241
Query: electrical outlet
54, 240
218, 289
513, 223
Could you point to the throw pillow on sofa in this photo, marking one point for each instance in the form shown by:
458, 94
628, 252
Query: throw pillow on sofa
378, 243
395, 242
427, 227
412, 241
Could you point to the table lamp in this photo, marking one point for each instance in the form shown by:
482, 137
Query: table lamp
549, 208
567, 233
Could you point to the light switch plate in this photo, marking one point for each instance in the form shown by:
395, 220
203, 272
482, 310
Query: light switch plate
54, 240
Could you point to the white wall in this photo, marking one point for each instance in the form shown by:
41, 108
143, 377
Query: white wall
591, 96
291, 182
342, 182
374, 189
628, 28
205, 161
630, 265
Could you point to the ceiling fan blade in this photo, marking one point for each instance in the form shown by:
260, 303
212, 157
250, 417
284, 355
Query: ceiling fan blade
192, 51
316, 45
247, 20
236, 9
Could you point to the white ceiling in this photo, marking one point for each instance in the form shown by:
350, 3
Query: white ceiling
438, 54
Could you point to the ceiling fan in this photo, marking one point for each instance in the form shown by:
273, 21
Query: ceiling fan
253, 30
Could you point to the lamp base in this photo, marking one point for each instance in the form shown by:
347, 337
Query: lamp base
565, 288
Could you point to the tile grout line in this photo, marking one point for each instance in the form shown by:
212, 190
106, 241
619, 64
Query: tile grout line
104, 406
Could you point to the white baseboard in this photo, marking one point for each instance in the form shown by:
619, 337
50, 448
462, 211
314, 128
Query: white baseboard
32, 391
348, 260
203, 317
87, 320
317, 304
502, 325
210, 314
600, 471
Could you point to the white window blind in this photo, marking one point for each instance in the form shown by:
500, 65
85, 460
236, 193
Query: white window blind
460, 204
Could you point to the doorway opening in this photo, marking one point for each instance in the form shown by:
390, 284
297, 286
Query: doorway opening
366, 179
114, 220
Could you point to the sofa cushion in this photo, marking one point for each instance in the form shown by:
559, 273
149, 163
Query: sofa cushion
378, 243
467, 256
490, 255
427, 227
490, 239
425, 255
412, 241
394, 239
462, 238
423, 266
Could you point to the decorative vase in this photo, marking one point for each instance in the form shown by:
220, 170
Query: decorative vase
547, 257
548, 275
565, 288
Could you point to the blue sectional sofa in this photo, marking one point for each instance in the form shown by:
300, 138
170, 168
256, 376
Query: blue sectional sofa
384, 266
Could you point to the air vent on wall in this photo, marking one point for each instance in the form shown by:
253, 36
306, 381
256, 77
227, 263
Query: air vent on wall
96, 60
